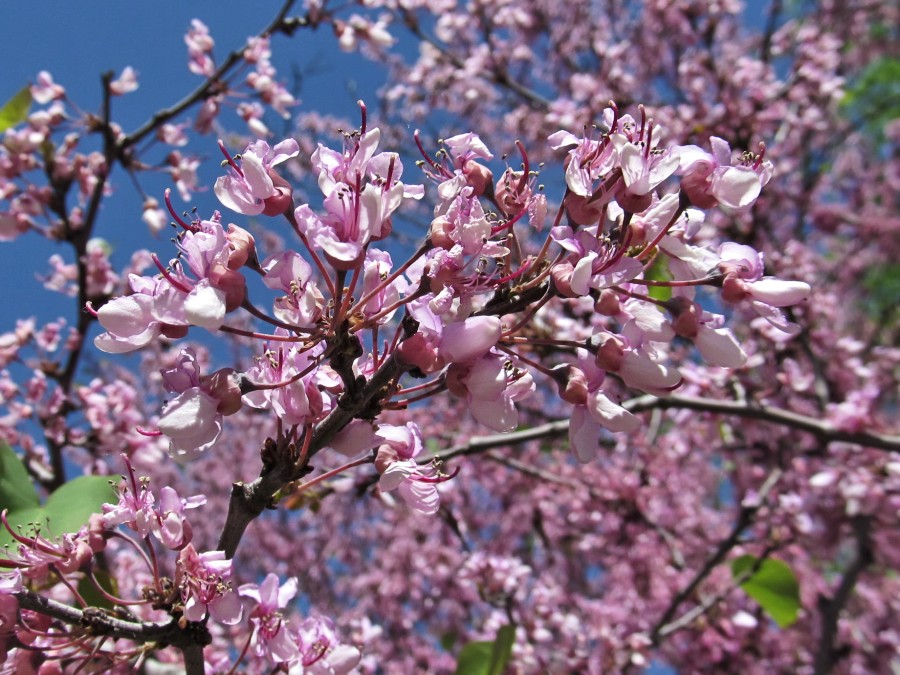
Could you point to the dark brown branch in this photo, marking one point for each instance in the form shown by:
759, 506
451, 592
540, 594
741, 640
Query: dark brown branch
744, 520
250, 500
824, 431
100, 623
279, 24
828, 654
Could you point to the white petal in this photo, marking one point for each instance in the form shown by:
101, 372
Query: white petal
205, 306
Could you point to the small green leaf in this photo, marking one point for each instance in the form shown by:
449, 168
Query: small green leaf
773, 585
659, 271
448, 640
474, 658
72, 505
502, 652
94, 598
15, 110
16, 489
487, 658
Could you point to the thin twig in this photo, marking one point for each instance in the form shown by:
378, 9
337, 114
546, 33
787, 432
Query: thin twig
744, 520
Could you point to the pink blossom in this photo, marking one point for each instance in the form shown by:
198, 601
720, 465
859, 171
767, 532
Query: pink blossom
200, 44
126, 83
204, 580
272, 635
709, 179
321, 652
45, 89
253, 187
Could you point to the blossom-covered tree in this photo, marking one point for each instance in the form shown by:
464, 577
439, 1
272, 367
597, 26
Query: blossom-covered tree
597, 373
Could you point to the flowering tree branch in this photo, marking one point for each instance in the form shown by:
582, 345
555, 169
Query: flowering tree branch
828, 653
744, 520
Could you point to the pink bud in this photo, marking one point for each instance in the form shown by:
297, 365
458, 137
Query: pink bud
478, 176
282, 200
243, 246
582, 211
385, 456
562, 279
173, 332
225, 387
232, 283
417, 352
608, 303
610, 355
572, 384
440, 233
686, 317
454, 379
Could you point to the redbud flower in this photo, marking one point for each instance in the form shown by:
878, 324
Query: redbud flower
709, 179
254, 187
272, 636
204, 580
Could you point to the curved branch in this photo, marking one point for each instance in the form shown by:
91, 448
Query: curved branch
100, 623
205, 90
825, 431
827, 655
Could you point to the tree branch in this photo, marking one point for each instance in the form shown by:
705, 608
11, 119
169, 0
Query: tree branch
827, 654
824, 431
208, 88
250, 500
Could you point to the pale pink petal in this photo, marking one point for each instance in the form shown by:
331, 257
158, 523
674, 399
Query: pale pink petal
736, 186
205, 306
465, 341
611, 415
778, 293
584, 434
718, 347
226, 609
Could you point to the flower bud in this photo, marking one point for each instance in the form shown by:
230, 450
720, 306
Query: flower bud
417, 352
455, 374
583, 211
243, 246
440, 233
608, 303
686, 316
562, 278
610, 354
572, 384
224, 386
232, 283
283, 198
478, 176
385, 456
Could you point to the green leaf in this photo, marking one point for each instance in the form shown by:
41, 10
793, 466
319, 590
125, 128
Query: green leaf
487, 658
659, 271
66, 510
502, 652
773, 585
22, 521
94, 598
72, 505
872, 98
16, 489
15, 110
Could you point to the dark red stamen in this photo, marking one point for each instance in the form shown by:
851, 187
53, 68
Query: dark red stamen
168, 275
168, 199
